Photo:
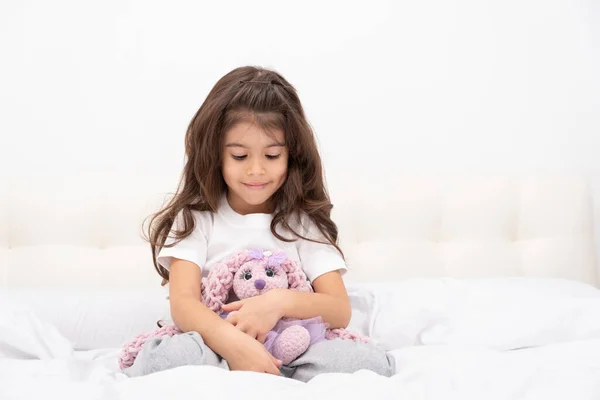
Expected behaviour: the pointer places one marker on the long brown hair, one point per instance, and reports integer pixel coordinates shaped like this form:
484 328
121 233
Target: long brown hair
272 102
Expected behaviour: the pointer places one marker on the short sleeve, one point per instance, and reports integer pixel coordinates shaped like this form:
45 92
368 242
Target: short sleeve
317 259
193 248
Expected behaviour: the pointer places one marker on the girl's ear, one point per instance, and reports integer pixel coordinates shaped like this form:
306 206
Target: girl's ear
297 279
216 286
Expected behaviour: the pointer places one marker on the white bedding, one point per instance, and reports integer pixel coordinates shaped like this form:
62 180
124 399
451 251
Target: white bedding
513 338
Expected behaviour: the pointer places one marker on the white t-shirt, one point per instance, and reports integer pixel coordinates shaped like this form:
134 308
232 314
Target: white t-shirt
219 235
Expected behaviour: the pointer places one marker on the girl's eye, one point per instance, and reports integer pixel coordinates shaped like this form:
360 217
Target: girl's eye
270 272
273 157
247 276
239 158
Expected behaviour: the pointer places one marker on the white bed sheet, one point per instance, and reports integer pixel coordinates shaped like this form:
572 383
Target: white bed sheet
551 350
562 371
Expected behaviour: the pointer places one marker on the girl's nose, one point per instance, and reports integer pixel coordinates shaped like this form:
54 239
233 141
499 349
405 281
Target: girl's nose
259 284
255 169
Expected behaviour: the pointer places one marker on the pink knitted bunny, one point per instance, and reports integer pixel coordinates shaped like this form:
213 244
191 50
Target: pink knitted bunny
251 273
254 273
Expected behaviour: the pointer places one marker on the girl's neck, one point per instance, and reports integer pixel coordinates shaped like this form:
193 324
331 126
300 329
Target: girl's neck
239 206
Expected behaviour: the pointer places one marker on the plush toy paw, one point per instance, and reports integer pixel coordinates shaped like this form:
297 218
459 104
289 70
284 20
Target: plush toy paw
291 343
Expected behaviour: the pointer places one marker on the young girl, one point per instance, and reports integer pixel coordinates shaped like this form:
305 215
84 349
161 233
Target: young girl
253 179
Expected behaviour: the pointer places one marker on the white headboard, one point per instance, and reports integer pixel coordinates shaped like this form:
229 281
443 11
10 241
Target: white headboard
85 230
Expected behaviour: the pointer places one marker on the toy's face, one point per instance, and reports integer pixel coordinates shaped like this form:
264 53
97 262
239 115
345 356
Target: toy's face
255 278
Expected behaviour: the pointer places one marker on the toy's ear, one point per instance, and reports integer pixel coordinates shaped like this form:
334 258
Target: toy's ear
297 279
216 286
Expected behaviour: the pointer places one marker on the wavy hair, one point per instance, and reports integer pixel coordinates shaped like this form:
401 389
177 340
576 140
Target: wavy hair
267 99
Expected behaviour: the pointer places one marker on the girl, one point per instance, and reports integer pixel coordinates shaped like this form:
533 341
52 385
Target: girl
252 179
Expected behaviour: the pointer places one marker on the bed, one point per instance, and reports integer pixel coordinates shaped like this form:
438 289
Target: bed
480 286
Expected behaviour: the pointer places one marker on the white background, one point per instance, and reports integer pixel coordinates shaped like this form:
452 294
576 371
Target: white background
109 87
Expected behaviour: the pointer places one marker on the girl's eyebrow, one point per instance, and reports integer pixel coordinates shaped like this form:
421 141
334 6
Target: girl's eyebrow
236 144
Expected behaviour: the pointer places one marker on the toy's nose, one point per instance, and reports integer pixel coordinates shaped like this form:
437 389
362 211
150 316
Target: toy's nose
259 284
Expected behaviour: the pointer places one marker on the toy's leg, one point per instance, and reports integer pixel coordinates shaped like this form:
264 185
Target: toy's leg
292 342
339 355
158 354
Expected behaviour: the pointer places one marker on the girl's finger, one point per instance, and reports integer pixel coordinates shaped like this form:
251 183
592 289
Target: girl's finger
243 327
232 319
277 362
236 305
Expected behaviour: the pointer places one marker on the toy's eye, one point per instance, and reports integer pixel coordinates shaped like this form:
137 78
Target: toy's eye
247 276
270 272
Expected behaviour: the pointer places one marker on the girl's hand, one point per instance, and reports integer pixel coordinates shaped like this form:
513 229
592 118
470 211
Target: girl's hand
249 355
256 316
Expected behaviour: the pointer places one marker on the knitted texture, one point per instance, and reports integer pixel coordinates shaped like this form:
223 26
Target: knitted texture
216 286
291 344
131 349
250 273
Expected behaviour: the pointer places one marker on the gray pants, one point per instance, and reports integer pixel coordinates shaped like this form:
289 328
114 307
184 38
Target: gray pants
328 356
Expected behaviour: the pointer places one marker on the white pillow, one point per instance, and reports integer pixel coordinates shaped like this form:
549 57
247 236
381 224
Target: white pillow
399 311
509 314
94 319
498 313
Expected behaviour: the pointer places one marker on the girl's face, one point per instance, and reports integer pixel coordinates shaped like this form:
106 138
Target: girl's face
254 167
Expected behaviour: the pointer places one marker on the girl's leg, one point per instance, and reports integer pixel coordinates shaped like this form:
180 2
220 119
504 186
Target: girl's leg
339 355
158 354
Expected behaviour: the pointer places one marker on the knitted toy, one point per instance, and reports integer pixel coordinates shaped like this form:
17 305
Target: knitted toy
252 273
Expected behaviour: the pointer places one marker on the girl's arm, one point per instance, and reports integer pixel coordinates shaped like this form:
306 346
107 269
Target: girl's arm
330 301
257 315
189 314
